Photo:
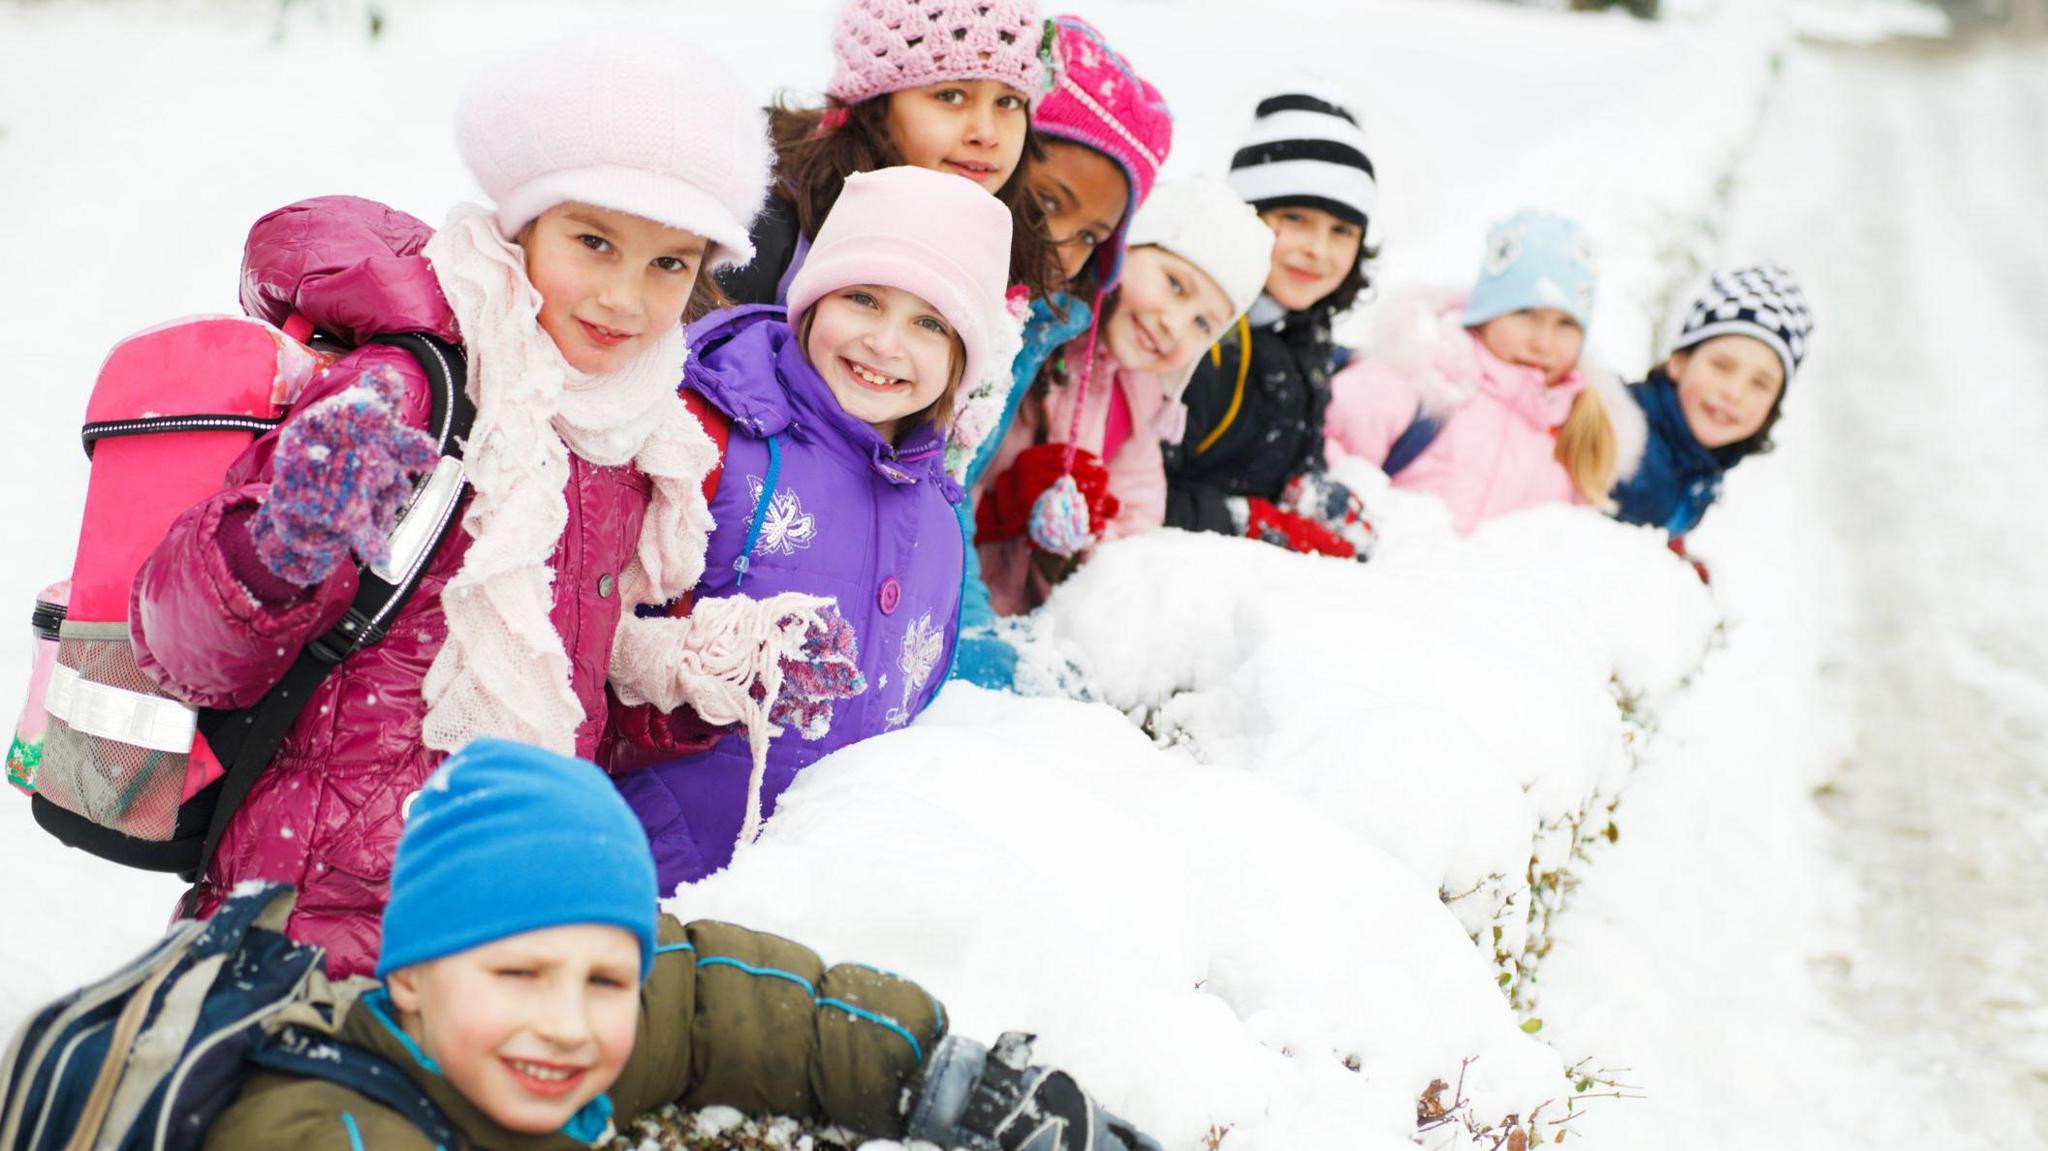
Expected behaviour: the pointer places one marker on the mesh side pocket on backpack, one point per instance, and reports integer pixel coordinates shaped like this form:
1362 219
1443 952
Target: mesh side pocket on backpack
117 749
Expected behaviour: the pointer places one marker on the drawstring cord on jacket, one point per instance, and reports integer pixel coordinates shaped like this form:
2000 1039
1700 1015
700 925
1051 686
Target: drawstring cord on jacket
1059 517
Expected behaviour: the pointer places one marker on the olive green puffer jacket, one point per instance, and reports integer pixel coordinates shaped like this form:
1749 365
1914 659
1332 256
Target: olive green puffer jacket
728 1016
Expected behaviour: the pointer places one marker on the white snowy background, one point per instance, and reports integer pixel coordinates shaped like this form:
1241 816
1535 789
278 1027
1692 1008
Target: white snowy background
1275 875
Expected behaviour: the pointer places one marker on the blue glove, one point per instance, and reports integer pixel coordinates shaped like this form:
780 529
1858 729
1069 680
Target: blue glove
342 473
970 1097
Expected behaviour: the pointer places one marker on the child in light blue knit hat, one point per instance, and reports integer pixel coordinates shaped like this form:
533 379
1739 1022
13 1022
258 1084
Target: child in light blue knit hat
1480 399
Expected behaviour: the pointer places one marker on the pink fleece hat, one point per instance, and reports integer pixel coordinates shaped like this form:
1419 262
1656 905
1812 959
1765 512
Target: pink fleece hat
1097 101
938 236
648 124
885 46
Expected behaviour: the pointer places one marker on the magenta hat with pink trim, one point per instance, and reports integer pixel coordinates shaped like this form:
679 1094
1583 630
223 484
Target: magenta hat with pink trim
885 46
1098 101
940 237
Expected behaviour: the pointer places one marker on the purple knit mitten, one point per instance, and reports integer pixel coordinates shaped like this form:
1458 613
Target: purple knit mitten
342 472
827 669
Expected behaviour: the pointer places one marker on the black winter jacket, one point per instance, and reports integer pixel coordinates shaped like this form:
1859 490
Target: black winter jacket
775 235
1251 438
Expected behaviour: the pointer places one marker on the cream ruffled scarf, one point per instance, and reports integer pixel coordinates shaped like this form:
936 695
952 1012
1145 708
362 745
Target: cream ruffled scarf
504 671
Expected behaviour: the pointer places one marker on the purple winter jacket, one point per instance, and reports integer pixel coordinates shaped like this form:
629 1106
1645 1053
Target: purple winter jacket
326 814
852 517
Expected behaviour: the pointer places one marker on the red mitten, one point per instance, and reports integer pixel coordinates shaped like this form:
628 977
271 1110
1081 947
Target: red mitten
1005 509
1296 533
1335 506
1699 567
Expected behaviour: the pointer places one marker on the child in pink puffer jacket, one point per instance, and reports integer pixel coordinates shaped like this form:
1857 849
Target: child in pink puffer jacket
1481 399
585 471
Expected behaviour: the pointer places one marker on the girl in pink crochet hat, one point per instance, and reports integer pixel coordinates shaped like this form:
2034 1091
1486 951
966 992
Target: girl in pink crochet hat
941 84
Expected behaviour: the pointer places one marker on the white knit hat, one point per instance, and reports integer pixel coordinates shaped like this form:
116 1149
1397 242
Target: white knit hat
642 122
1203 222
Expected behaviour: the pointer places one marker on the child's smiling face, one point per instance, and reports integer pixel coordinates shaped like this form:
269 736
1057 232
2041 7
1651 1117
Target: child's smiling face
1726 387
611 284
532 1027
1084 195
1313 251
971 128
885 353
1547 339
1168 312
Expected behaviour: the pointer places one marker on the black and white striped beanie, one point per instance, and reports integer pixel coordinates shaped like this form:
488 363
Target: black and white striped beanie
1763 302
1305 151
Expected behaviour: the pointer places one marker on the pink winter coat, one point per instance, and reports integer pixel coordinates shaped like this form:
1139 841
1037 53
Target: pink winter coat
217 631
1496 450
1137 471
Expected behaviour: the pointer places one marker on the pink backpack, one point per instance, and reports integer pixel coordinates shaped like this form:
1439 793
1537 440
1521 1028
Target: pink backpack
114 765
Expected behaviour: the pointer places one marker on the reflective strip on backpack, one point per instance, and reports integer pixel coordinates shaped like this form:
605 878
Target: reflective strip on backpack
130 717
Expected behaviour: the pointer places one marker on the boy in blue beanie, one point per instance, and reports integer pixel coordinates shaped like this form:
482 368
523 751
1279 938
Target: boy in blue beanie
531 990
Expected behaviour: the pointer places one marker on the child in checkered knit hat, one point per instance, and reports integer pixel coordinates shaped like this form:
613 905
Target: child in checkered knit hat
1714 399
1480 398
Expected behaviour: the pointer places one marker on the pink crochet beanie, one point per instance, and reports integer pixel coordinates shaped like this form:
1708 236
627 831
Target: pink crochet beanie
885 46
647 124
934 235
1097 101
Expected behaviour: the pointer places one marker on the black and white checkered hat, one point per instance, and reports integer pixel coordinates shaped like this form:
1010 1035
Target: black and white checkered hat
1305 151
1763 303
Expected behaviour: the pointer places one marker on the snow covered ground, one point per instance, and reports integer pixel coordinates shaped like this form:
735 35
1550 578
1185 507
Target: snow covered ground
1254 886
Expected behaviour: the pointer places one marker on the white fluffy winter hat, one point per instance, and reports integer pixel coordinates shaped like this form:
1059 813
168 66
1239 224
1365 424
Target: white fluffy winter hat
1205 223
645 123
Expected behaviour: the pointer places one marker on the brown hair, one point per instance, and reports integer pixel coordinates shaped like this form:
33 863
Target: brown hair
940 411
1586 449
812 164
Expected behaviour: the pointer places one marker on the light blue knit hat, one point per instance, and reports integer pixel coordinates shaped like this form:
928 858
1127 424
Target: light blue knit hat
507 838
1534 259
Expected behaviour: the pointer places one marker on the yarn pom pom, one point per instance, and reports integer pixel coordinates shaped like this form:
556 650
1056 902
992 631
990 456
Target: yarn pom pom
824 667
1059 519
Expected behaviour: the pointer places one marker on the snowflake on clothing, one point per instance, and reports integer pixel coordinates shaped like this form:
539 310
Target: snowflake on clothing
922 645
787 526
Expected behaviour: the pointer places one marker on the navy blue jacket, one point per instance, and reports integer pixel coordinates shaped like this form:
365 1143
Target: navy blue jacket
1678 477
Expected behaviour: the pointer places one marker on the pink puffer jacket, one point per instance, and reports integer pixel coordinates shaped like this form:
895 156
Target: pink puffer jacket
1137 470
326 815
1496 451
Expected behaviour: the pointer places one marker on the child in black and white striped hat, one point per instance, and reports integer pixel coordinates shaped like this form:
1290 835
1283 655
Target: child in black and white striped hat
1253 449
1714 399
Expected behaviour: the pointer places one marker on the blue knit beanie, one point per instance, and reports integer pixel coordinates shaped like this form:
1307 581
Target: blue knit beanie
1534 260
506 838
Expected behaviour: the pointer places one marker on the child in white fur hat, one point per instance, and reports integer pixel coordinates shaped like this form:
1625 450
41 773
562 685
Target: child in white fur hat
620 173
1089 436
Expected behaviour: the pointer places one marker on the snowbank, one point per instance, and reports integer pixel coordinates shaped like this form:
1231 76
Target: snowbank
1218 891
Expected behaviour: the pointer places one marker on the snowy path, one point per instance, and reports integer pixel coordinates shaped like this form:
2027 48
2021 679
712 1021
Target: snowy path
1861 971
1936 482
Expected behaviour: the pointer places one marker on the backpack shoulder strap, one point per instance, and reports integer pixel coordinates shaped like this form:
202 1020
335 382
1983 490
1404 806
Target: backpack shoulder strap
718 426
1412 442
245 740
309 1056
1244 369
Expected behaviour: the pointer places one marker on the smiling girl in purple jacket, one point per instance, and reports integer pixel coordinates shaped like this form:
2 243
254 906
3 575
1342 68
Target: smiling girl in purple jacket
834 486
